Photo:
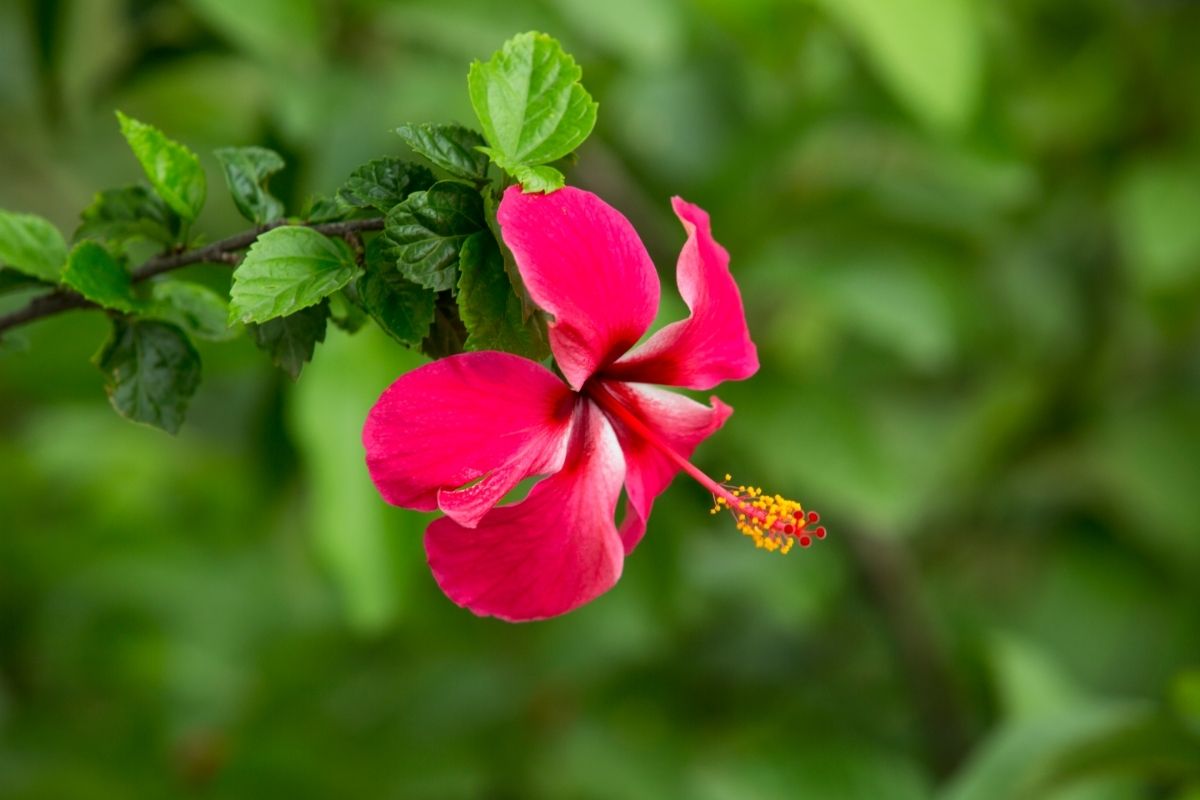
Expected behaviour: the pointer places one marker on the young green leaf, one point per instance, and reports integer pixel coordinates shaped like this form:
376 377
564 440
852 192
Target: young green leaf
246 172
488 306
323 209
539 179
152 370
174 170
429 228
31 245
530 102
94 273
451 147
291 340
117 216
383 183
403 309
197 310
288 269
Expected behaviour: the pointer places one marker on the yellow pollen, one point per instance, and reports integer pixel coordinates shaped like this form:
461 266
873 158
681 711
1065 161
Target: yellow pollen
773 522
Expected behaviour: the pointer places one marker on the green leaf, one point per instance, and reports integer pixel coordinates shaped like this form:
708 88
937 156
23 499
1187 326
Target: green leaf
400 307
174 170
928 52
323 209
429 228
13 281
539 179
152 370
384 183
291 340
246 172
447 336
345 311
354 535
530 102
1016 757
14 342
281 32
451 147
288 269
1154 743
117 216
199 311
94 273
31 245
1157 204
488 306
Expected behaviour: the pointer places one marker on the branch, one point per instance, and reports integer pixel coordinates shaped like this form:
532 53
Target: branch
890 579
61 300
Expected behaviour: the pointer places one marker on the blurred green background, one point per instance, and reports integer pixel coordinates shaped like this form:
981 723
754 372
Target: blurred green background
968 235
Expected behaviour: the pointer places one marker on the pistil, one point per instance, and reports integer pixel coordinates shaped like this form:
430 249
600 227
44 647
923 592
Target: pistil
773 522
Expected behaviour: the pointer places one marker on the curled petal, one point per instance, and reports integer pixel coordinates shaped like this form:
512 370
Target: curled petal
489 417
553 551
677 422
713 344
584 264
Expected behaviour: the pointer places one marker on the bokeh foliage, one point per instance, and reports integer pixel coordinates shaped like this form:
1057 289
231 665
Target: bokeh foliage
968 236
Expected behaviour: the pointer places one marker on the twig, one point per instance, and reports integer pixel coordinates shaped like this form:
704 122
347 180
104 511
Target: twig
61 300
888 575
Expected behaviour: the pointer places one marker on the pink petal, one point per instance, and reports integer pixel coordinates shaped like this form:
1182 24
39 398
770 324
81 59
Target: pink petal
584 264
554 551
713 344
485 415
679 423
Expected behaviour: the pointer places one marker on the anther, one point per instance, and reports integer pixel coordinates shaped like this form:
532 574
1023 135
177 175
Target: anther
773 522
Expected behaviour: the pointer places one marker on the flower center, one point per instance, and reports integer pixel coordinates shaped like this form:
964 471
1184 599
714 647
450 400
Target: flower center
775 523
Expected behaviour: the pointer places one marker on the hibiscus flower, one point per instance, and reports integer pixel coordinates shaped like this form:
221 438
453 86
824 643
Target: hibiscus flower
460 433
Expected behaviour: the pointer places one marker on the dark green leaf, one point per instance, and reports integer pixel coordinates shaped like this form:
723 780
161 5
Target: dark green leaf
383 183
288 269
31 245
173 170
152 370
429 228
447 336
451 147
400 307
291 340
117 216
14 342
1154 742
530 102
246 172
489 308
13 281
94 273
345 312
198 310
